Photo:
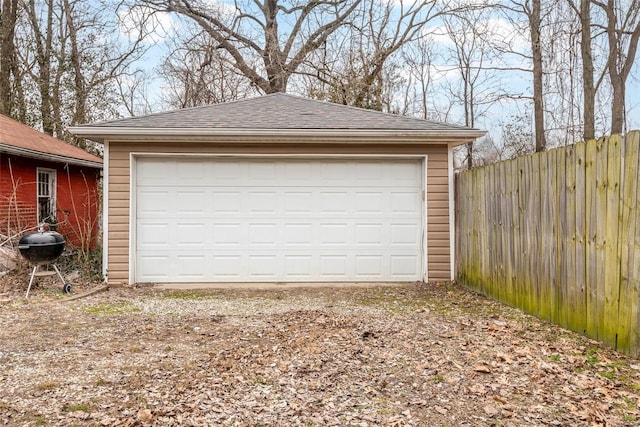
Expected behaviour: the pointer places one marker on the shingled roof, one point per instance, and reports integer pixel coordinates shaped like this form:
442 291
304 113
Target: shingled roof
19 139
267 115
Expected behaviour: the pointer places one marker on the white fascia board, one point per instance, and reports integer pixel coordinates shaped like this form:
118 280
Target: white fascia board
460 136
55 158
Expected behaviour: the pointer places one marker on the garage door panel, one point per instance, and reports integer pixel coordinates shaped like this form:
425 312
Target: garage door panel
191 235
369 266
225 202
156 268
153 235
300 234
264 267
370 203
404 234
191 172
191 203
226 234
403 265
191 267
404 202
153 203
369 234
333 267
336 174
334 234
299 267
155 172
265 234
278 220
227 266
262 202
298 202
333 202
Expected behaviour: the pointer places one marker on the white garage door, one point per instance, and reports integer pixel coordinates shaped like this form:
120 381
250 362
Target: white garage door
290 220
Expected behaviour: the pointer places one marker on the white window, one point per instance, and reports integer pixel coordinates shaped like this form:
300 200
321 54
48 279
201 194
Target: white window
46 196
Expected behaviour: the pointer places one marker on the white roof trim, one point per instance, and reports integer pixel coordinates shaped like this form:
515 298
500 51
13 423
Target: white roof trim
25 152
137 134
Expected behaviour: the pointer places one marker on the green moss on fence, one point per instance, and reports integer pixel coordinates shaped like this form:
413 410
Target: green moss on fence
556 234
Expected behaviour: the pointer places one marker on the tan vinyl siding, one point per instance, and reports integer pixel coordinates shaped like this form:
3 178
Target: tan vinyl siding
439 260
438 244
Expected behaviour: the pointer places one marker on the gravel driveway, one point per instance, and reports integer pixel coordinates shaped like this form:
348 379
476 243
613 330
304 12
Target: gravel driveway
414 355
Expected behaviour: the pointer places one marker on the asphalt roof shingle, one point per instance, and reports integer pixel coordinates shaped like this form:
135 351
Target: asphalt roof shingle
278 111
24 139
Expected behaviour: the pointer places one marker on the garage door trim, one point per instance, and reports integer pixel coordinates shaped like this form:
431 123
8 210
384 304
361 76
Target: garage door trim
134 157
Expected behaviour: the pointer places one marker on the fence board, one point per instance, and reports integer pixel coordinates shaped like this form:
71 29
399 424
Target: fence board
611 247
571 292
534 215
579 286
558 234
601 225
634 267
560 297
591 276
545 239
628 224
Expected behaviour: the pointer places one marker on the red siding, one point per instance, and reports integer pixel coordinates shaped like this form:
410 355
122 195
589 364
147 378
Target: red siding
77 198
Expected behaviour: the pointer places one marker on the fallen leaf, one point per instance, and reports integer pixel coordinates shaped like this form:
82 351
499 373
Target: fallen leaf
440 410
491 410
482 369
145 416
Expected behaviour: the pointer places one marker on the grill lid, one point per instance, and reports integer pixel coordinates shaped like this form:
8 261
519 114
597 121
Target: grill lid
41 247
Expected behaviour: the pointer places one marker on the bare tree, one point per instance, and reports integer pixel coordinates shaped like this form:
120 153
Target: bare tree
253 37
8 18
71 53
418 57
134 93
622 27
532 12
196 72
589 87
472 53
379 31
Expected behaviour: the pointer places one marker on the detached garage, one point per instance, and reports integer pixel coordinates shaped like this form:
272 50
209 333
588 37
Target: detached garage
277 189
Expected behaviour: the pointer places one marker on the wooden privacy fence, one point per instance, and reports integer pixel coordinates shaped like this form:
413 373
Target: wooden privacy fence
557 234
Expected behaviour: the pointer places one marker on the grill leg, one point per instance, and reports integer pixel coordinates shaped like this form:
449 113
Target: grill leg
55 267
33 275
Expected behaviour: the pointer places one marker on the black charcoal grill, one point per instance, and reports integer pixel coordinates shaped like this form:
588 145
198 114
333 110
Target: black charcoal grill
42 249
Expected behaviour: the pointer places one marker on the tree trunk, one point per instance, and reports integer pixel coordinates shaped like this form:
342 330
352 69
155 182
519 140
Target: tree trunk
536 50
617 103
43 52
7 54
79 115
588 88
620 62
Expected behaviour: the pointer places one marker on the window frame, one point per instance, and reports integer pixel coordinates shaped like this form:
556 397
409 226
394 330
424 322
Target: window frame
51 183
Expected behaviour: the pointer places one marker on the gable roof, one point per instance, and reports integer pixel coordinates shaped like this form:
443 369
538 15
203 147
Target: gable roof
21 140
275 114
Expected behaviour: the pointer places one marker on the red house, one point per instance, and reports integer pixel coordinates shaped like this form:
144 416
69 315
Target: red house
46 180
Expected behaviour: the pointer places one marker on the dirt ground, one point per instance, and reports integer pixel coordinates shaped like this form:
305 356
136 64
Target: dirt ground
414 355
